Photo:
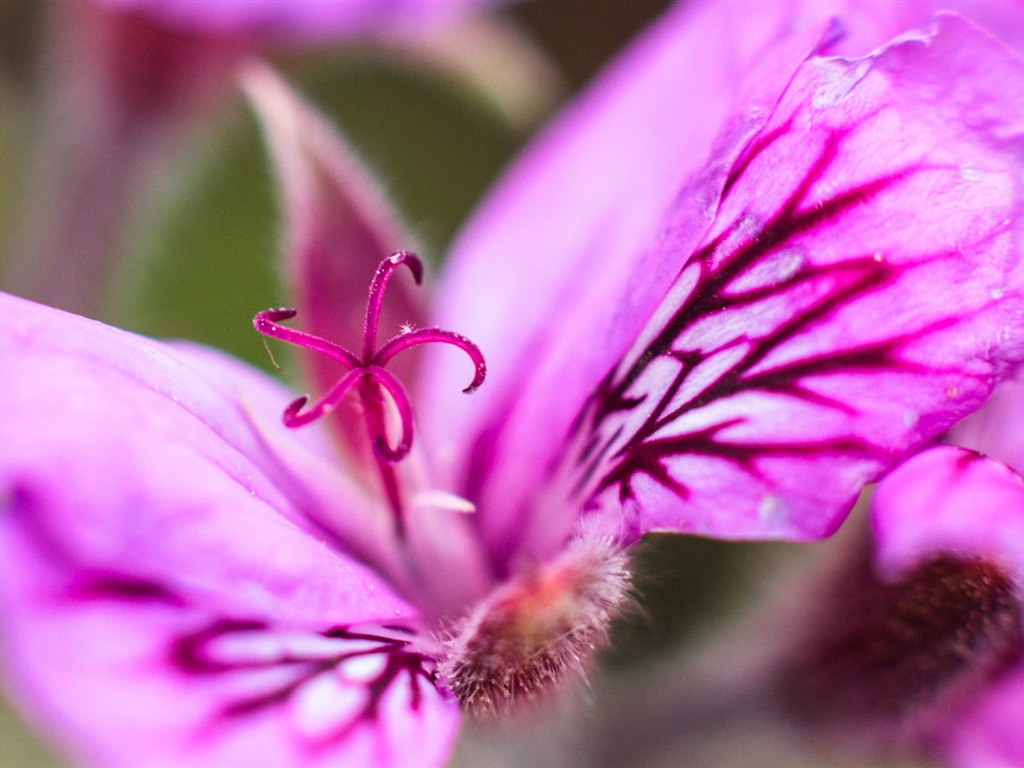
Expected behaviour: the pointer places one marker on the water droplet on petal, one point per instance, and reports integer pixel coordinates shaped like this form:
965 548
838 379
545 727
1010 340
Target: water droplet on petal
773 510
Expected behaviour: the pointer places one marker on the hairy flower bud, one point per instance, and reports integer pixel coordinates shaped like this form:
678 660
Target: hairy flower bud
537 630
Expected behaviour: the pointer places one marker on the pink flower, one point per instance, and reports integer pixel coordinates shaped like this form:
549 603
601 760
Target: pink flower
722 323
945 624
309 20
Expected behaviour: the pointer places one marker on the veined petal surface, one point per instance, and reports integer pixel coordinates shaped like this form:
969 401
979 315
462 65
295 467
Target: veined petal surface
846 284
554 242
148 539
859 290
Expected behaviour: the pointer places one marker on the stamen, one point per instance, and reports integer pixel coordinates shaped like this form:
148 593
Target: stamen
377 286
425 335
367 372
266 323
292 416
401 401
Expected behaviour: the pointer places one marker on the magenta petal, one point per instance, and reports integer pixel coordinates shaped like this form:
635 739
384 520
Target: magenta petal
951 500
123 672
340 229
536 274
848 286
139 505
99 424
856 294
867 25
310 20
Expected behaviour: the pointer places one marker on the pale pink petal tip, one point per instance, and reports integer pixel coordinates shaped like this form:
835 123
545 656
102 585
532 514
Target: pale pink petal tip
949 499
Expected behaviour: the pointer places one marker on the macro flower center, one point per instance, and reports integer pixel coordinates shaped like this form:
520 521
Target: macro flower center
515 641
367 374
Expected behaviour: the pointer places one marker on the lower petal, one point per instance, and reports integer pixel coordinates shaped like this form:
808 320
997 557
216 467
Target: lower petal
122 672
166 599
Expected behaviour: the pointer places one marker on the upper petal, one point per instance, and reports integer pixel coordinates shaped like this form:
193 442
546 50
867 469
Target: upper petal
857 293
844 284
553 243
140 505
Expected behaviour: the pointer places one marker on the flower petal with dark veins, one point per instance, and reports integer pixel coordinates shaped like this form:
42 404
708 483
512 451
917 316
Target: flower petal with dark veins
856 288
138 506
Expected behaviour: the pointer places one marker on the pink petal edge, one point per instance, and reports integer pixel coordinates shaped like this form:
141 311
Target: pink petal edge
141 517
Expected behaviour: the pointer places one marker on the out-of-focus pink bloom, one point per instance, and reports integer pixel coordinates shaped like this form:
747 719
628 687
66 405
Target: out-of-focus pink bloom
309 20
959 507
724 322
126 78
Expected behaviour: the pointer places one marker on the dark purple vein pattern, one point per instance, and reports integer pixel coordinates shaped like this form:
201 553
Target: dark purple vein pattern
335 681
858 290
357 692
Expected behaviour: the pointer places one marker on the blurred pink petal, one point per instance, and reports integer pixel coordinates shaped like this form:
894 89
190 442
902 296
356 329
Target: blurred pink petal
954 502
949 499
310 20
